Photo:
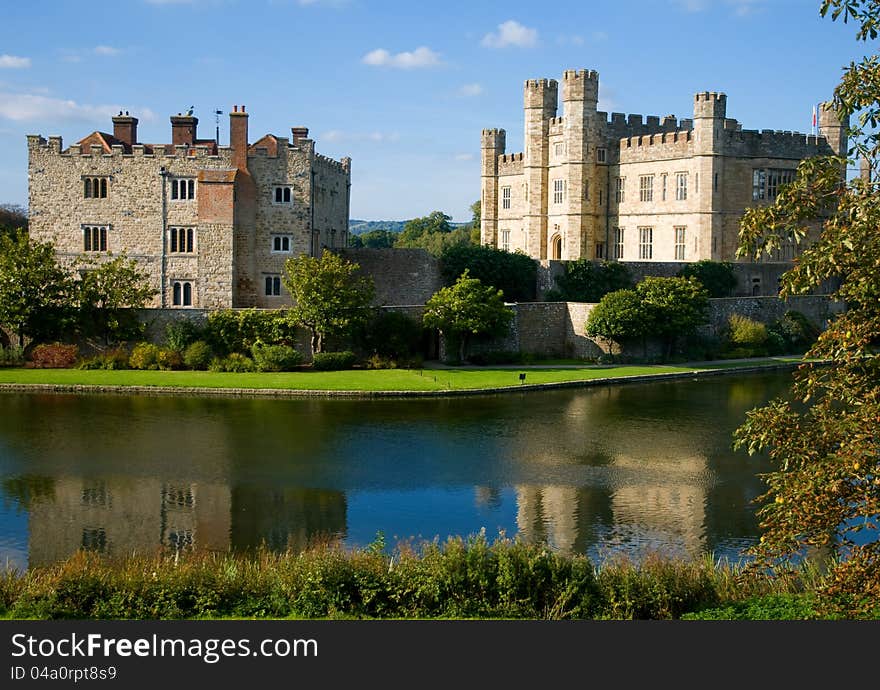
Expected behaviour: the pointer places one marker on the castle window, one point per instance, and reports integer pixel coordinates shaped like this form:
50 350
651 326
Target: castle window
601 197
646 188
273 285
620 191
505 240
600 250
601 155
182 293
697 183
618 243
181 240
663 187
284 194
586 190
95 187
505 197
177 497
646 243
558 191
680 234
281 244
766 184
95 495
94 238
183 188
559 149
681 186
716 182
94 539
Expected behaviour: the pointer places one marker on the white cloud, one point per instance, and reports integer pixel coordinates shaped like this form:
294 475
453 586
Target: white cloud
511 33
14 62
418 58
108 51
464 156
692 5
469 90
741 8
21 107
570 40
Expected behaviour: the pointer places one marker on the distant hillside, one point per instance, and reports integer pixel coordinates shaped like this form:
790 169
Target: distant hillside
359 227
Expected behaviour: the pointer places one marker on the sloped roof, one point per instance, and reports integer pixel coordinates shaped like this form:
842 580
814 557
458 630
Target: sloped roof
268 142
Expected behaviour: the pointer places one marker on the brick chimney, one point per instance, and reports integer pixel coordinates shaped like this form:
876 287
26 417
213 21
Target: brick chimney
238 137
298 133
183 129
125 128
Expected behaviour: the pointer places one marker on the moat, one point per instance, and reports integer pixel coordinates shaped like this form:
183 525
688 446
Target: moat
631 469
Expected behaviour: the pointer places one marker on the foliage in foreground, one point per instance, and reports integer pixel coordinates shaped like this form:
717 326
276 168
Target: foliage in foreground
823 495
460 578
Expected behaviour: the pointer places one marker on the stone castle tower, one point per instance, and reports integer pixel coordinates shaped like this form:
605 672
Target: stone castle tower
632 188
211 225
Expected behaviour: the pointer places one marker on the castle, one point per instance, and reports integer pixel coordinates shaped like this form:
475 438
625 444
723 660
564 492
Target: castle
633 189
211 225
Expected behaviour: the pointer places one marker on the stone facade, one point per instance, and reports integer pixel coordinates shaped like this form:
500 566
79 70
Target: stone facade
631 188
212 225
401 276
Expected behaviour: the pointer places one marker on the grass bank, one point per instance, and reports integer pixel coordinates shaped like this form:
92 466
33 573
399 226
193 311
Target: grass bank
461 578
426 381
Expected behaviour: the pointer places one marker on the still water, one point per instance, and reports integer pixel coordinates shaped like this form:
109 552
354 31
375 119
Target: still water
633 468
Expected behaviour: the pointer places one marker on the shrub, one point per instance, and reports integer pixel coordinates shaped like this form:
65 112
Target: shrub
54 356
275 357
333 361
11 356
144 356
181 334
235 363
170 359
198 355
116 358
747 332
236 330
797 332
588 281
513 273
392 335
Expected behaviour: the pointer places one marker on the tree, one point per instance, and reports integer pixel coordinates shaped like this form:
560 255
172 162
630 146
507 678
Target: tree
330 296
466 309
716 276
36 294
512 273
673 307
823 494
12 219
433 233
586 281
619 316
476 222
108 293
379 239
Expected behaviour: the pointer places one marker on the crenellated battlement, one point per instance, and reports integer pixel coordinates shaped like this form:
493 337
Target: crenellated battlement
580 74
620 125
331 163
710 104
510 157
580 85
510 164
541 84
664 144
771 143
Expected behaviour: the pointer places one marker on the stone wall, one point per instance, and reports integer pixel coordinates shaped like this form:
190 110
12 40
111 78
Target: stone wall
401 276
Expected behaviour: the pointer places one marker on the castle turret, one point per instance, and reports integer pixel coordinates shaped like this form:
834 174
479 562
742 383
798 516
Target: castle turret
125 129
833 129
710 112
540 100
580 97
494 142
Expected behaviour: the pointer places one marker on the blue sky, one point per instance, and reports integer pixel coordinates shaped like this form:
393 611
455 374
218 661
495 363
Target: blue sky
404 88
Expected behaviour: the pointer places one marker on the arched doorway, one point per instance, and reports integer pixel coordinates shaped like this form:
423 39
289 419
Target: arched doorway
556 247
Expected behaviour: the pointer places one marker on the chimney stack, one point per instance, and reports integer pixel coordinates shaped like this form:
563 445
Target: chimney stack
299 133
183 129
238 137
125 129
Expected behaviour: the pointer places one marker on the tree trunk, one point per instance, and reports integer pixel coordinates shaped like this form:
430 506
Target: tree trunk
462 347
316 342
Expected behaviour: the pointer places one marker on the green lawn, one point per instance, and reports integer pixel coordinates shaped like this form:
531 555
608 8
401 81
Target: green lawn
358 380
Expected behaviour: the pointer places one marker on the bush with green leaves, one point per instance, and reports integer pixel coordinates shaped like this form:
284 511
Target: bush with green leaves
795 331
275 357
180 334
11 356
717 277
235 362
170 360
144 356
619 317
514 273
114 359
236 330
746 332
198 355
333 361
392 335
589 281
